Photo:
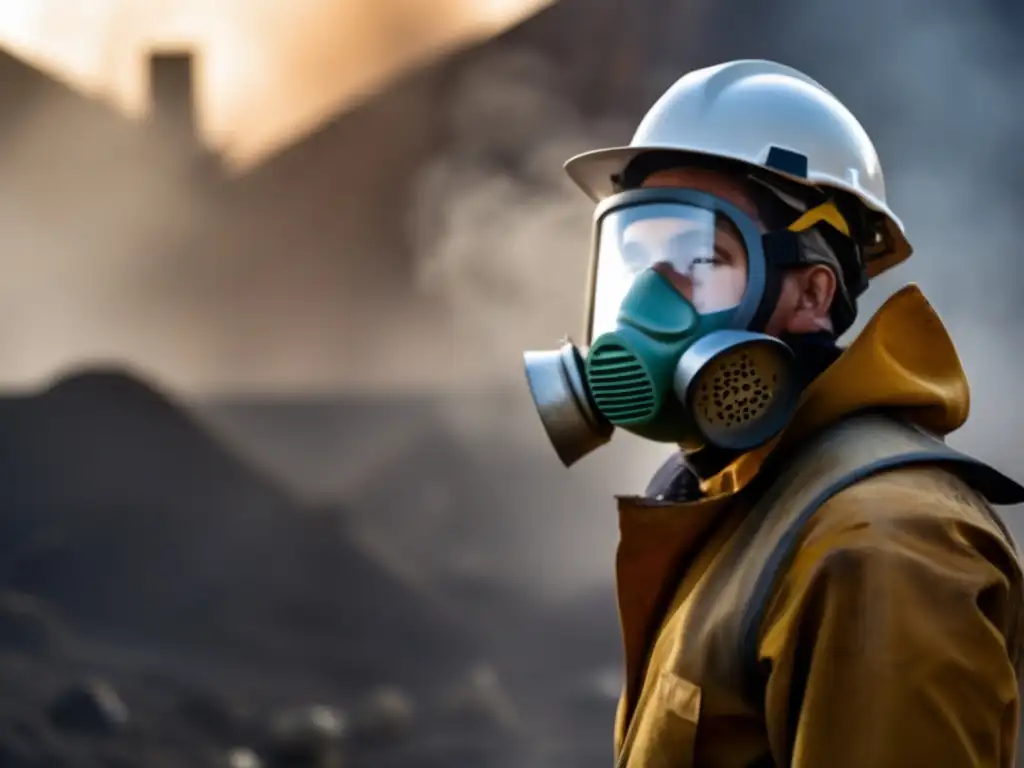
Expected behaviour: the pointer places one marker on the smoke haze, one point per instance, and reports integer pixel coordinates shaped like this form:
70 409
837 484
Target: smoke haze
101 260
501 236
349 315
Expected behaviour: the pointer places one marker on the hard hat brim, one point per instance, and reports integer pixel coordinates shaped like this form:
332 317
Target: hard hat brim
594 172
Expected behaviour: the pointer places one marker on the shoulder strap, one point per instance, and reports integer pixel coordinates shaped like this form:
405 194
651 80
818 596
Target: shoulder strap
674 481
736 598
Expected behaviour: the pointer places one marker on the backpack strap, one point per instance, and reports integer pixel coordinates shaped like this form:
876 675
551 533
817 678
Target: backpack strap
731 604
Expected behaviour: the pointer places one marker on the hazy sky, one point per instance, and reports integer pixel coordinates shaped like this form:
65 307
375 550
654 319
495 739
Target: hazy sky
271 69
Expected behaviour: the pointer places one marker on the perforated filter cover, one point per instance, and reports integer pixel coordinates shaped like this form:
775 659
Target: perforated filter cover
736 390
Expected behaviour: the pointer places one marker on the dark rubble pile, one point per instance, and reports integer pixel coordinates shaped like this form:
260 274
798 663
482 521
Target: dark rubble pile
161 604
137 528
89 723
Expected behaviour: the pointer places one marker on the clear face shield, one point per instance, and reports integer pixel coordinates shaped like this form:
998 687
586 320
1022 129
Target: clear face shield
699 252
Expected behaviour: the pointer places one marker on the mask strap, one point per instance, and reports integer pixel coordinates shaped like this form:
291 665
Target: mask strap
853 274
782 251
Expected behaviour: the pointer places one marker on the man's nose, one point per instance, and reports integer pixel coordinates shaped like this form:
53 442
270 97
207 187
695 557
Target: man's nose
681 282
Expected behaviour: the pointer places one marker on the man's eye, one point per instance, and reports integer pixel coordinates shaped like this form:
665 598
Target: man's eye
713 260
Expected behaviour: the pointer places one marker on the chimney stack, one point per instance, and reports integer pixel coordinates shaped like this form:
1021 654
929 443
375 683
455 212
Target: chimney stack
172 96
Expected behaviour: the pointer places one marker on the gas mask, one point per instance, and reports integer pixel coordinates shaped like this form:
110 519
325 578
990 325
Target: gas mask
681 284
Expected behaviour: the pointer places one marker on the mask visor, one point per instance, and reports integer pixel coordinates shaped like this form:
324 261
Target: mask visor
699 252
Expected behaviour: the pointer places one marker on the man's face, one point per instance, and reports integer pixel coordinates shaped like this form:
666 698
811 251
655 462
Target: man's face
709 271
712 280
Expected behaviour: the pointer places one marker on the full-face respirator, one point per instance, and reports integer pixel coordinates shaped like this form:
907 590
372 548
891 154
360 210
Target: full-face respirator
682 284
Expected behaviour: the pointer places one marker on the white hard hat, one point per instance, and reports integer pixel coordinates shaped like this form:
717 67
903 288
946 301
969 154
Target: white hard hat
769 116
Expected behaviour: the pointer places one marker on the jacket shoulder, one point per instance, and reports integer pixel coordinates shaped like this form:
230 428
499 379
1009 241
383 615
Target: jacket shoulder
924 522
932 499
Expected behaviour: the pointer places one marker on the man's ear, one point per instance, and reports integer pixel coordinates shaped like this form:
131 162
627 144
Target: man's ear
814 288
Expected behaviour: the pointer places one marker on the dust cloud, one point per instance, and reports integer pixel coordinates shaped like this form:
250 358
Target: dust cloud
502 235
503 240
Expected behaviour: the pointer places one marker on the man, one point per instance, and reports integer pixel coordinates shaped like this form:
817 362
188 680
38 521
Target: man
815 579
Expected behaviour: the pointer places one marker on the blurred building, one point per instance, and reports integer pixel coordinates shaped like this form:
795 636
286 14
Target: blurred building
284 277
336 201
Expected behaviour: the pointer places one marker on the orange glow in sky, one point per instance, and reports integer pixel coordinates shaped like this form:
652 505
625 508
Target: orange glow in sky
269 70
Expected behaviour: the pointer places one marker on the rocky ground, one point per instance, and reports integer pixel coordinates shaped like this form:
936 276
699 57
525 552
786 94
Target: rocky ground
163 604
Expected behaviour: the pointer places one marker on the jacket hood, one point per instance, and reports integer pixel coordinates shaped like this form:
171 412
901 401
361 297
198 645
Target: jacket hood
903 361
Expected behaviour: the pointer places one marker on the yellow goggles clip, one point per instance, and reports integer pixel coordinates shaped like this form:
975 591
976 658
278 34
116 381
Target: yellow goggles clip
826 212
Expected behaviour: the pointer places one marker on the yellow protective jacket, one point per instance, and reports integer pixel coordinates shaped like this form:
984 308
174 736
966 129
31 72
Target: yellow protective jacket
892 635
